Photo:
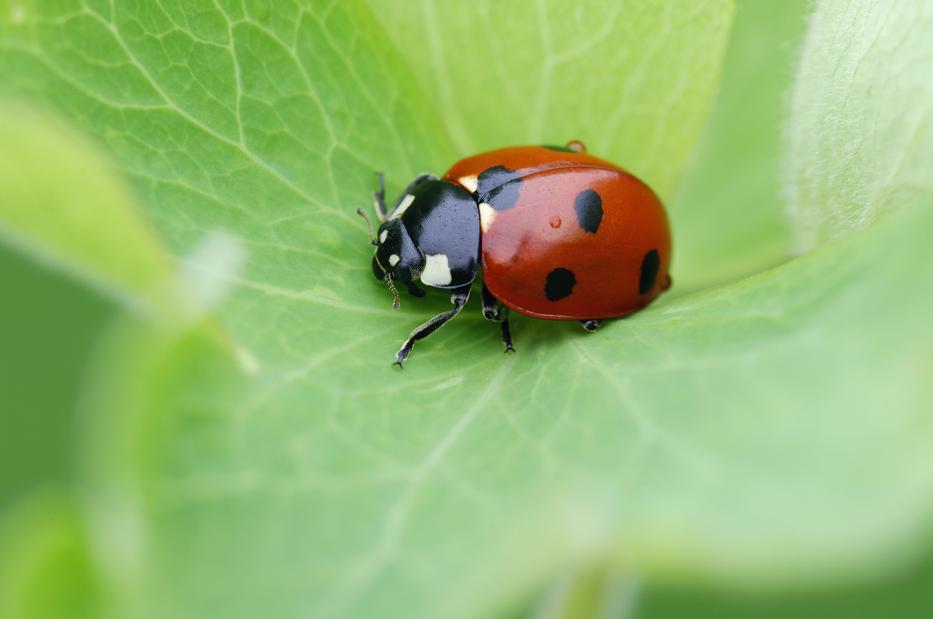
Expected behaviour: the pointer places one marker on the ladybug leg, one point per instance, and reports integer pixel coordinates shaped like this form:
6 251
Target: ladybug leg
379 198
495 311
414 290
591 324
491 307
505 332
458 298
411 187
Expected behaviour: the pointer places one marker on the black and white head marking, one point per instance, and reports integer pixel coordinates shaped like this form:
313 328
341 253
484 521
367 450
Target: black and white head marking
396 254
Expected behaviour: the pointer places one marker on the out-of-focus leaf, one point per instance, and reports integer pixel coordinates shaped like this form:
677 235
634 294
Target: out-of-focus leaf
49 324
46 569
62 204
860 137
729 216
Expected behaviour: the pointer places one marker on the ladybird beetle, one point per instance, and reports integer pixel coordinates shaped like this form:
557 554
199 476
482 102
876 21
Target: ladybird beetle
559 235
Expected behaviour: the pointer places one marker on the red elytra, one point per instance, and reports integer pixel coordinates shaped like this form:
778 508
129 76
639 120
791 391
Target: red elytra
566 235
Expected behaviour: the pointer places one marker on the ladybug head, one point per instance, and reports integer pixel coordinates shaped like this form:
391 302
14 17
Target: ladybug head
396 258
396 255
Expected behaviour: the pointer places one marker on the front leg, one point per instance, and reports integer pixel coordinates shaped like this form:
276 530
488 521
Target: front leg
414 290
459 298
379 196
495 311
411 187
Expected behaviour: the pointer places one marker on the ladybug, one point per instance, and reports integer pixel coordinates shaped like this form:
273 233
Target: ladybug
559 235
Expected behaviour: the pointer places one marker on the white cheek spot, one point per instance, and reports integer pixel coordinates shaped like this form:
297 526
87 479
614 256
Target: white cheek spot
470 182
436 270
487 215
383 235
393 260
403 206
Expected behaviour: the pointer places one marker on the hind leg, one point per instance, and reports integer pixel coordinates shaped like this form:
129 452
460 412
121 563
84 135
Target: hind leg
495 311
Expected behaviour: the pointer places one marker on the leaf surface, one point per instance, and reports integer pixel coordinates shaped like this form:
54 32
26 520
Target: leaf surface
730 217
768 431
860 139
82 219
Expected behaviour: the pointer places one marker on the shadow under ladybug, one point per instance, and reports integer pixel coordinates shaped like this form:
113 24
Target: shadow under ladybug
558 233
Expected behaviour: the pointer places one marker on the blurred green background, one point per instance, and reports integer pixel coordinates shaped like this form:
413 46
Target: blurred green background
721 146
50 325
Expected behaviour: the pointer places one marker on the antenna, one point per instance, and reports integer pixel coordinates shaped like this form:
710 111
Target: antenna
369 224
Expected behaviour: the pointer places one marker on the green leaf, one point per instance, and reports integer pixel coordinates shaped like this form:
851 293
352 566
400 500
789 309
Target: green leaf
84 220
630 79
46 571
860 139
721 439
729 213
768 432
49 324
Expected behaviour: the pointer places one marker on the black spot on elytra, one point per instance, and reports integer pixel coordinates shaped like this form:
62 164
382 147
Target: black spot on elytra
498 187
649 271
560 149
559 284
589 208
